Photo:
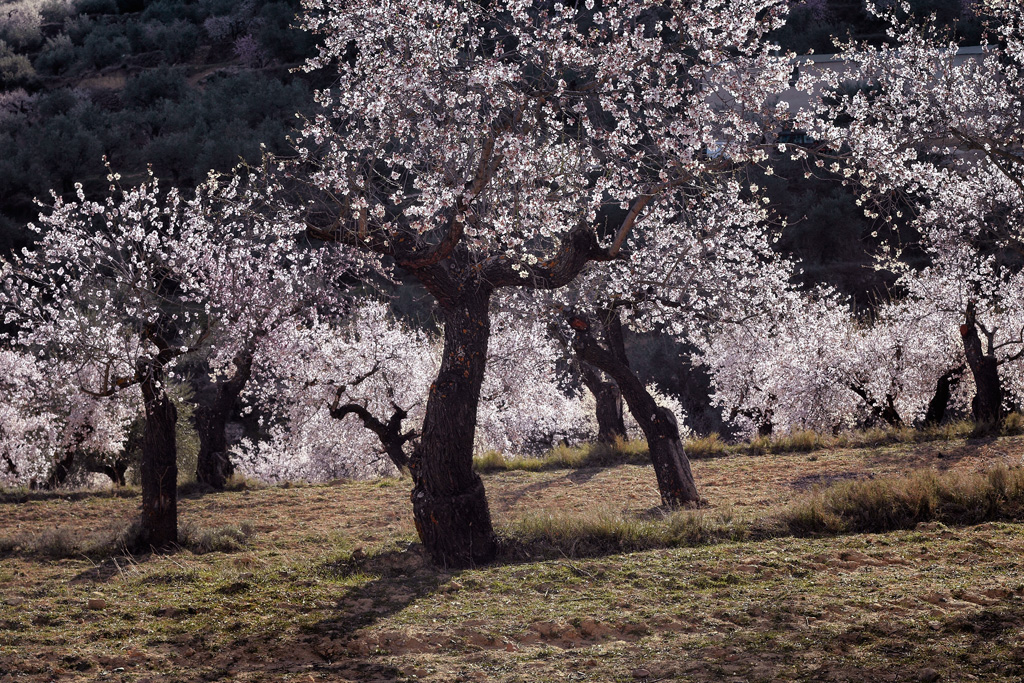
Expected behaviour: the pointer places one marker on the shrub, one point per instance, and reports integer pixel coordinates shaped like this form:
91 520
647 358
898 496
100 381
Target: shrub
56 11
15 70
104 47
178 39
20 26
153 85
57 55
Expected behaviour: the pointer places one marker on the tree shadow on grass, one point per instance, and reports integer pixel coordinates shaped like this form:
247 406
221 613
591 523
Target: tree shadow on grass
936 454
507 499
20 495
336 645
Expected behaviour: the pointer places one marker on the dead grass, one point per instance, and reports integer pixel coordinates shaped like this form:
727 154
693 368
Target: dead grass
623 451
62 542
891 503
606 532
228 538
871 506
620 452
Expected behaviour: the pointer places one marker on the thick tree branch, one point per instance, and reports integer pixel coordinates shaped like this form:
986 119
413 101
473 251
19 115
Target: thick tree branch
578 248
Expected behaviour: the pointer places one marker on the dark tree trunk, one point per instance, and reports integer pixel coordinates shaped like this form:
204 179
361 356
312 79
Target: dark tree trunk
61 471
889 414
610 422
159 466
937 407
91 463
988 401
214 466
880 412
390 433
671 466
114 470
448 498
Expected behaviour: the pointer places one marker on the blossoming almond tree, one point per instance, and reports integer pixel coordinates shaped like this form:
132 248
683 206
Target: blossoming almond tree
336 391
940 134
479 145
253 276
126 288
713 262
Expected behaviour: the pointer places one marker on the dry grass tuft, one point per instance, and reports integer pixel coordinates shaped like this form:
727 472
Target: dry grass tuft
709 446
562 456
605 532
891 503
225 539
866 506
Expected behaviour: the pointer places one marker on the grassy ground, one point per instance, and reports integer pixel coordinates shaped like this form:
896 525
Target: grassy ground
332 586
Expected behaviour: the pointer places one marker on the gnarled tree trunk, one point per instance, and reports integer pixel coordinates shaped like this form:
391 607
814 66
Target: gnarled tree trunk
61 471
449 504
988 399
214 466
159 467
939 403
114 469
390 433
610 422
671 466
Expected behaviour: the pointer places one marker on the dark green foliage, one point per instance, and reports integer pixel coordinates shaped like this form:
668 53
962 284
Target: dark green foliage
149 87
55 11
278 35
78 28
58 135
15 70
57 56
20 28
97 6
130 6
105 45
177 39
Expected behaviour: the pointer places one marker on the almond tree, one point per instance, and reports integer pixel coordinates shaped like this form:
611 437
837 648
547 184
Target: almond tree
811 362
255 278
480 146
940 135
127 287
45 426
338 393
715 264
